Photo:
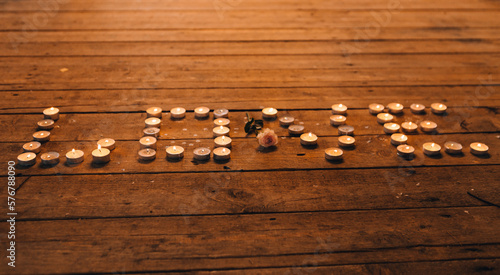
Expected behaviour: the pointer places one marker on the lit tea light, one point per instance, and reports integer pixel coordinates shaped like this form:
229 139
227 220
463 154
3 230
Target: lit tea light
428 126
101 155
333 153
405 151
395 108
147 154
409 127
269 113
50 158
221 122
223 141
33 146
201 153
346 130
376 108
309 139
148 142
391 128
178 113
479 149
295 130
346 141
151 132
453 148
222 153
218 113
51 113
41 136
438 108
26 159
46 124
201 112
74 156
431 148
286 121
107 143
339 109
398 139
417 108
153 122
221 131
383 118
336 120
175 152
154 112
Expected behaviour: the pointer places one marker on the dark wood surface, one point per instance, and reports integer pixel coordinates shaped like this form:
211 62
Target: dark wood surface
281 211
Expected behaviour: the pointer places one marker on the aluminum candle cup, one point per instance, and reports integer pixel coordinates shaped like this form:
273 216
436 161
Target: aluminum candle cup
295 130
26 159
153 122
309 139
431 148
221 122
346 130
175 152
147 154
269 113
222 153
384 118
286 121
151 132
346 141
417 108
218 113
398 139
405 151
391 128
339 109
33 146
479 149
333 153
221 131
50 158
453 148
438 108
336 120
201 112
41 136
154 112
395 108
409 127
201 153
223 141
178 113
51 113
376 108
101 155
107 143
46 124
428 126
148 142
74 156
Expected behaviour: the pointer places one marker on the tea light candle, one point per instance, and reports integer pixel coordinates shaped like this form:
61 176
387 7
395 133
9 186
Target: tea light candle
409 127
339 109
333 153
51 113
218 113
395 108
220 131
223 141
309 139
453 148
398 139
41 136
391 128
405 151
428 126
74 156
431 148
147 154
50 158
26 159
346 141
438 108
221 122
153 122
154 112
107 143
478 148
175 152
383 118
151 132
295 130
201 153
201 112
46 124
33 146
148 142
346 130
376 108
101 155
222 153
269 113
178 113
336 120
417 108
286 120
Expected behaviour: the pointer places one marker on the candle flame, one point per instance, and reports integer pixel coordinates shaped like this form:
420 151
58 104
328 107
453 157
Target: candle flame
41 134
28 155
403 136
73 151
310 134
52 108
99 147
223 150
147 139
340 105
174 148
440 105
223 138
31 145
156 110
479 145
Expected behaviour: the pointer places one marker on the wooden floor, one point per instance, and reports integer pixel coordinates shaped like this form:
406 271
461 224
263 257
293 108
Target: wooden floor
281 211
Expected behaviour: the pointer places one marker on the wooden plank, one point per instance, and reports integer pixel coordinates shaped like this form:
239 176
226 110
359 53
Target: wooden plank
172 243
370 152
142 195
139 98
129 126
